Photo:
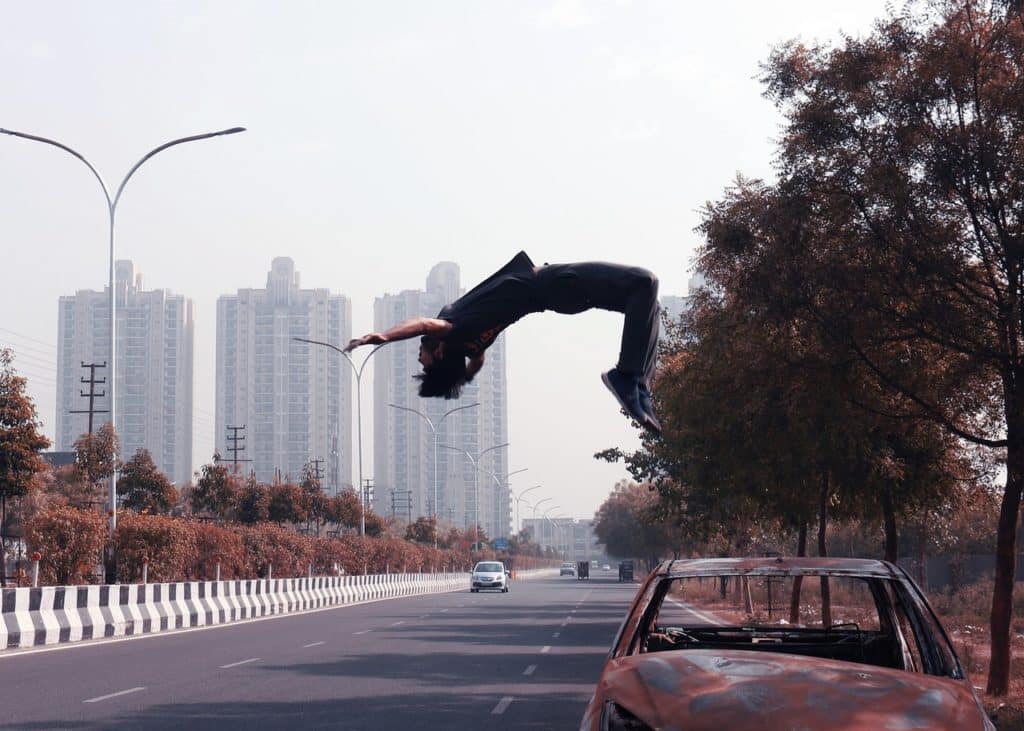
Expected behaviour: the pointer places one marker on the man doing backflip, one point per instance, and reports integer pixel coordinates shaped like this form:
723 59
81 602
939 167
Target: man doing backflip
453 343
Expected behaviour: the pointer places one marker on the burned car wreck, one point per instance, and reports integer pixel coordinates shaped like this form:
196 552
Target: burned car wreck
782 643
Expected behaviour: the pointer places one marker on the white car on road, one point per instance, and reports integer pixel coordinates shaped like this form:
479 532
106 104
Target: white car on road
489 575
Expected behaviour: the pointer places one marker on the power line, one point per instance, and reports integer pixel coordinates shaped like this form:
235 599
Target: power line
28 337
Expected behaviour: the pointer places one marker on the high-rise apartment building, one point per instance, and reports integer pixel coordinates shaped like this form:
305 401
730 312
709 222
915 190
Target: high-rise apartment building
286 403
154 369
404 458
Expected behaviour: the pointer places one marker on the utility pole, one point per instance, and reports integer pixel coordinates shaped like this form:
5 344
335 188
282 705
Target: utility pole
234 439
92 395
367 492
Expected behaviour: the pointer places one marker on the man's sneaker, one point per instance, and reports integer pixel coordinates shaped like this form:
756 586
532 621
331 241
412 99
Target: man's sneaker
625 389
647 406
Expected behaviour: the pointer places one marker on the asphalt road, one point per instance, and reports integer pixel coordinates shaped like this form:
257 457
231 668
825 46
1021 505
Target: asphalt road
523 660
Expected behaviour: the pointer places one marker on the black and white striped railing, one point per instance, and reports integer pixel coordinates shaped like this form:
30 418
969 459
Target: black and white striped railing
52 614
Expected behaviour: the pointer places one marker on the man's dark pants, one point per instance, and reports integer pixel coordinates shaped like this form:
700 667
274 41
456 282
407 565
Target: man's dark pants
633 291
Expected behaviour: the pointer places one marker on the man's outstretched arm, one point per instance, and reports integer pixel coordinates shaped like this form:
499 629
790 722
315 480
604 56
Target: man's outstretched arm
411 328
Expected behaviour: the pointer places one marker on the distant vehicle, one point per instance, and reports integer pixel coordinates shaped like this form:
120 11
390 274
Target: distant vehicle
713 644
568 569
489 575
606 567
583 570
625 570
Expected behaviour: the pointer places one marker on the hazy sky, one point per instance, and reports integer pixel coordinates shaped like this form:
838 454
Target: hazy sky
385 137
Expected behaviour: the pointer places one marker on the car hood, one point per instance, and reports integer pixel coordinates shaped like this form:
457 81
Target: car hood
715 689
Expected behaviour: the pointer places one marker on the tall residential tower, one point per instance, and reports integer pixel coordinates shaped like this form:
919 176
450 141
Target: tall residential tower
404 463
286 403
154 370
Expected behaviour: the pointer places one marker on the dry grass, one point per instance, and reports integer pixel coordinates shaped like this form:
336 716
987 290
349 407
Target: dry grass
965 615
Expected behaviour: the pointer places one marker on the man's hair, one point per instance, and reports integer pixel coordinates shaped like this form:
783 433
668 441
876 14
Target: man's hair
445 376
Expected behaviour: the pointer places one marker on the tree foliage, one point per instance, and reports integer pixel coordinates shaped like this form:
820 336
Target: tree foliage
422 530
144 488
215 493
627 525
96 454
21 441
894 229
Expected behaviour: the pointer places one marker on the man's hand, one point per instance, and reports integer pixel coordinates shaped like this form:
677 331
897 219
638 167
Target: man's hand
368 339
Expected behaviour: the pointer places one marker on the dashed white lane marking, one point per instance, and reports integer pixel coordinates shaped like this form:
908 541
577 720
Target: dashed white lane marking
555 635
362 632
395 624
565 623
313 644
529 669
502 705
546 649
572 611
114 695
240 662
444 610
424 616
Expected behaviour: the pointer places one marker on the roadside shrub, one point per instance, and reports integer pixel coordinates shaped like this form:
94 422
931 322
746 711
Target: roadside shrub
270 545
217 543
168 543
70 541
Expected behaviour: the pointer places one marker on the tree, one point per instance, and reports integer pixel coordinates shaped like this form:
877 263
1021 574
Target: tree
20 443
287 503
315 498
96 454
423 530
896 224
144 488
253 502
624 522
215 492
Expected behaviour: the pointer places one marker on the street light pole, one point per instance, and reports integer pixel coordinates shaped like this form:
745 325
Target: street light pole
499 482
521 498
433 429
476 481
112 212
358 371
545 517
538 504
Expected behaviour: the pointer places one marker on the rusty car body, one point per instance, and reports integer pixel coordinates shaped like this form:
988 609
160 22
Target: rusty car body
782 643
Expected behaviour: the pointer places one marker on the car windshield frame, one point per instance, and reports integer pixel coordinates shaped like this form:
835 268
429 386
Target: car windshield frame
489 567
903 613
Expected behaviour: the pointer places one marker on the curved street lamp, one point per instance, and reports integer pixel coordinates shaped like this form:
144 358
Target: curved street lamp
433 428
522 499
544 516
499 482
476 481
538 504
358 371
112 212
